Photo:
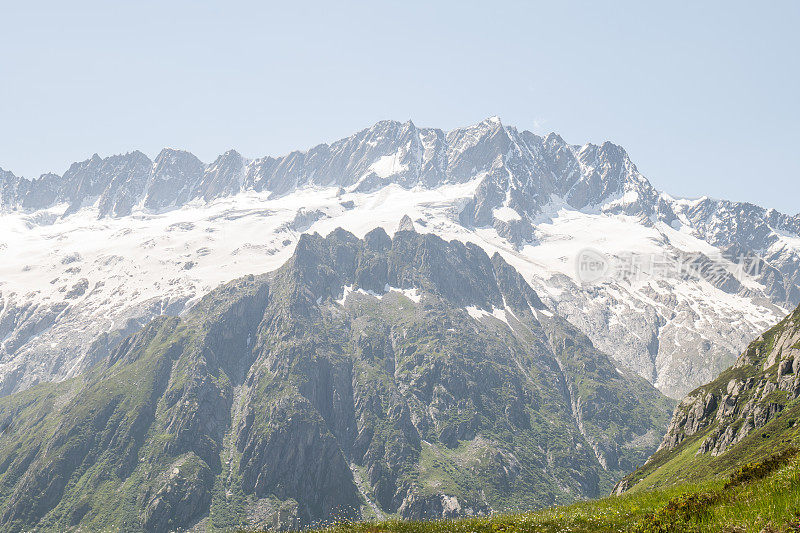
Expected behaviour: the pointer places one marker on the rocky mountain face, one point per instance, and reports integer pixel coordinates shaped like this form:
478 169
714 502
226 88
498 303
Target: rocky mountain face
746 397
747 413
519 170
96 253
405 376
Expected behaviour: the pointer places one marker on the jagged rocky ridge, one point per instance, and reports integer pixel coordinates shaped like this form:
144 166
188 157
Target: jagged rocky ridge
404 376
518 170
747 413
746 397
675 333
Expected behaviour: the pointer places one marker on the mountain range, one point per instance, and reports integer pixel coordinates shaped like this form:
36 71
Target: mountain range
93 255
406 323
400 376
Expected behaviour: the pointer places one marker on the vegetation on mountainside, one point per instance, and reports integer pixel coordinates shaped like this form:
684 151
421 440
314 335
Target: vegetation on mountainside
742 481
316 392
758 497
739 387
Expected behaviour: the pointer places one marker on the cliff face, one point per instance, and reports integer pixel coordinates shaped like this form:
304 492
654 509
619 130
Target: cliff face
91 256
403 376
747 413
747 396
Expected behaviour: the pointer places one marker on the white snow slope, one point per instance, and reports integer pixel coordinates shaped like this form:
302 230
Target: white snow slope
72 284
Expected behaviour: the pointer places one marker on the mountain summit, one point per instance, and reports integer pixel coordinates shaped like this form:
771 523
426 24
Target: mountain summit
408 376
93 255
524 167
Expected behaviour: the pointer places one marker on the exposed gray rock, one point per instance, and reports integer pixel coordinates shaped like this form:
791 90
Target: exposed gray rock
744 398
406 224
429 368
519 179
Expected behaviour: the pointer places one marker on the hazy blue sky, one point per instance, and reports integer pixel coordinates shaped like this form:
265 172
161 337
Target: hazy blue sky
705 98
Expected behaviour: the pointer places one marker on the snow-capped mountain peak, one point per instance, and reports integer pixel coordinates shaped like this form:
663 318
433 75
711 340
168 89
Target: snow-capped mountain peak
118 239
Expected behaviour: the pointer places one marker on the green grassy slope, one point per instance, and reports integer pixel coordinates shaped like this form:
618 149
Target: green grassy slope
762 497
757 401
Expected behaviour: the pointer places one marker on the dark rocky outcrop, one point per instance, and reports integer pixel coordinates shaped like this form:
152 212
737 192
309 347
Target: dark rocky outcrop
745 414
404 375
745 397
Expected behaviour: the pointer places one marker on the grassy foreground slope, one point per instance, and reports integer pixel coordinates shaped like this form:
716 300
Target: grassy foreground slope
750 411
760 498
